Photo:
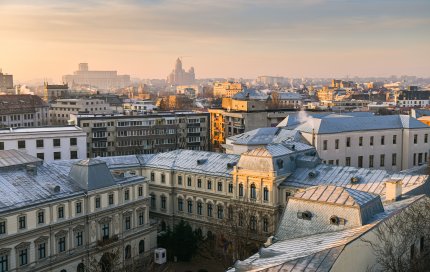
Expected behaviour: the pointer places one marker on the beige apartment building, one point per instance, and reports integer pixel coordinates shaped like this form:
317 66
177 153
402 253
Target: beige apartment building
72 215
61 110
227 89
393 142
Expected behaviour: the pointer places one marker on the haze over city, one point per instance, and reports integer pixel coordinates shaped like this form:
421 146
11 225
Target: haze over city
312 38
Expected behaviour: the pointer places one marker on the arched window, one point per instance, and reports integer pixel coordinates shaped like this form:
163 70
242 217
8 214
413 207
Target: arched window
127 252
80 268
220 212
209 210
180 204
190 206
241 189
199 208
152 201
266 194
253 191
142 246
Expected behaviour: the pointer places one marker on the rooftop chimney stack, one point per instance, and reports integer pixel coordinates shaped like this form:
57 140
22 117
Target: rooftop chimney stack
393 190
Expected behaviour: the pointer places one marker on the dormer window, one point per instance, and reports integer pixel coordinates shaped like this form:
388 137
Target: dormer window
280 163
307 215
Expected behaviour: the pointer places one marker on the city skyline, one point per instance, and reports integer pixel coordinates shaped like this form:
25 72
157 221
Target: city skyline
313 38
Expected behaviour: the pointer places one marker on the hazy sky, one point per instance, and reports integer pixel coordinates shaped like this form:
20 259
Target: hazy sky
222 38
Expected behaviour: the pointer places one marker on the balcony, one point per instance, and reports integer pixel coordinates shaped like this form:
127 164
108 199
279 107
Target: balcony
107 241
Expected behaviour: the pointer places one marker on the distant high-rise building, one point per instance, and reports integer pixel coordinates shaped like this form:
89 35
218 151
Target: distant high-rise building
6 81
104 80
54 92
179 77
227 89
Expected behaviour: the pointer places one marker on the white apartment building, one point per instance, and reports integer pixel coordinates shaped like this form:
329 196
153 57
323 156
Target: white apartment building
46 143
23 111
72 216
394 142
139 105
60 110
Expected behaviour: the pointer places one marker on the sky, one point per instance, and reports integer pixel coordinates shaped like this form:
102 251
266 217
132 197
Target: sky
220 38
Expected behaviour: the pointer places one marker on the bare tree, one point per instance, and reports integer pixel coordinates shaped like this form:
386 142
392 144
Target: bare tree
242 230
401 242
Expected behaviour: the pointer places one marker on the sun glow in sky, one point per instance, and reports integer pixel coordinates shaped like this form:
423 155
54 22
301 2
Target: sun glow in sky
222 38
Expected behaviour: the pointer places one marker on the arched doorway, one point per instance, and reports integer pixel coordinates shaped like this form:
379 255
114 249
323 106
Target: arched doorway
80 268
106 262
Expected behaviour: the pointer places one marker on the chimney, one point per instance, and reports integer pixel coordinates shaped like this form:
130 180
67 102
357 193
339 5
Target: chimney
393 190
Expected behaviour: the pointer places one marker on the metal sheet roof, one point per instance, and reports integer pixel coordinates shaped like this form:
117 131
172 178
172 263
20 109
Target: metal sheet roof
336 195
339 125
267 135
370 180
201 162
14 157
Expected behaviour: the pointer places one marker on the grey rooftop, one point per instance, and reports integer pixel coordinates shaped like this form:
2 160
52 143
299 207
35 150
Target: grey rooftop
350 124
263 136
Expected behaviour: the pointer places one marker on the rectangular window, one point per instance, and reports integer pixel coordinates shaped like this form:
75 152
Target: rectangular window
98 204
336 144
2 227
189 181
40 156
360 161
141 218
426 138
422 244
57 155
420 158
61 244
39 143
127 194
179 180
21 222
230 187
209 185
360 141
79 238
415 159
370 161
382 160
394 139
40 217
41 249
415 138
110 197
331 162
57 142
60 212
140 191
73 155
73 141
199 183
152 176
219 186
382 140
127 222
163 178
21 144
23 256
348 141
393 159
78 207
348 161
105 231
371 140
1 145
325 145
